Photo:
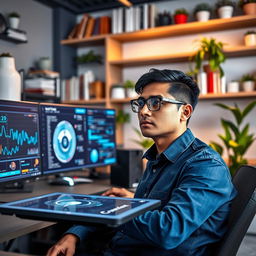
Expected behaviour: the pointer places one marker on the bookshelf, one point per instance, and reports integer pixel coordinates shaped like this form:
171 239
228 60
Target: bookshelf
115 62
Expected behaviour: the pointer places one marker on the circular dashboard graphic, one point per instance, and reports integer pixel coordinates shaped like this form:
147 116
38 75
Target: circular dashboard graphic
64 141
94 156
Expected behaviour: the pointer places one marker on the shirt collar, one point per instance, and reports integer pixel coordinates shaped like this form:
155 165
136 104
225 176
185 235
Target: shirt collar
175 149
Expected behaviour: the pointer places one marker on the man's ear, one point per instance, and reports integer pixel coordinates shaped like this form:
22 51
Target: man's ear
187 111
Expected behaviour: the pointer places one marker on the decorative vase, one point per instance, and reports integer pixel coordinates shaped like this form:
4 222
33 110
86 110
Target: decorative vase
10 81
203 15
44 63
14 22
225 12
249 8
248 86
250 39
180 18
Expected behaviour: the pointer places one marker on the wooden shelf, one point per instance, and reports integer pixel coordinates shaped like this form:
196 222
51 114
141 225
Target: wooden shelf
236 51
169 31
85 102
229 95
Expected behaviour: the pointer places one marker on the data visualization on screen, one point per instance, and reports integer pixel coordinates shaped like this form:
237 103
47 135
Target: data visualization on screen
19 140
76 137
101 148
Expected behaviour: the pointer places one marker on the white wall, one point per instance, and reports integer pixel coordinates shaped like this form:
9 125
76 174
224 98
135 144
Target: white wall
36 20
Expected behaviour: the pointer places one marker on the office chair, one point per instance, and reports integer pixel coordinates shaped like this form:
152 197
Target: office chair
243 210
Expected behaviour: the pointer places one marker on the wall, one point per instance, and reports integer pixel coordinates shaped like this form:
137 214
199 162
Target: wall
36 20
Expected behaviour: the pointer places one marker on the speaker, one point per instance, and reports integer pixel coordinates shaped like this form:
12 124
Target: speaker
128 169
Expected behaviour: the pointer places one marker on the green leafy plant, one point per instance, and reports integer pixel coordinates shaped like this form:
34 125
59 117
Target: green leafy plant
181 11
202 7
89 57
13 15
212 51
250 32
122 117
129 84
221 3
247 77
236 137
5 54
145 143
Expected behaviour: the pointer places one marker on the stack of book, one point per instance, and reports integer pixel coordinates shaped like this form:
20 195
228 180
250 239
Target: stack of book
89 26
16 34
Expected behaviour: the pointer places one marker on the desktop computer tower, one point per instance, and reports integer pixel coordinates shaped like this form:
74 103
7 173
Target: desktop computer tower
128 169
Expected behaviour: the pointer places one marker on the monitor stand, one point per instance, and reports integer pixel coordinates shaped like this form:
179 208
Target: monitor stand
16 187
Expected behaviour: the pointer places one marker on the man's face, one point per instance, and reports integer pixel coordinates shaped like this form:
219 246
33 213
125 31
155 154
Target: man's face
161 123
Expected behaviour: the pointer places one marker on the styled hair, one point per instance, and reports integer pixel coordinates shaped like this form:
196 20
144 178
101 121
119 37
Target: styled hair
182 87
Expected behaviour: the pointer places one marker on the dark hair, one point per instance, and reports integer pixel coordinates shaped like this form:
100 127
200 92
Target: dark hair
182 87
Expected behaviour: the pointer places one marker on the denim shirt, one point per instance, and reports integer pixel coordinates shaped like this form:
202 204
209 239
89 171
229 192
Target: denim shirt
194 186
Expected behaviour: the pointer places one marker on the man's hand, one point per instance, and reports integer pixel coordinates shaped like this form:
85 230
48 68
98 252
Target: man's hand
66 246
120 192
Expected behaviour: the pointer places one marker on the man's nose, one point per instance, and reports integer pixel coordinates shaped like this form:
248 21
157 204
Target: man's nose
145 110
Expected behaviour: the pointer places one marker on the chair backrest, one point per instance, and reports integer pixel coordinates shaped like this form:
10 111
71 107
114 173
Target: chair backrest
243 210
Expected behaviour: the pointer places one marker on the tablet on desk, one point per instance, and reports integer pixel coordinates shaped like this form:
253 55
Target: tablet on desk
78 208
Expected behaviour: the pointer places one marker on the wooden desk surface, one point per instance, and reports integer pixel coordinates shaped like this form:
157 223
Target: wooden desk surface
12 227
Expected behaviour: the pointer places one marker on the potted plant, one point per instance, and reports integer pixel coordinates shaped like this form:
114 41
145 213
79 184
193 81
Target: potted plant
14 20
225 8
180 16
212 51
233 86
236 137
122 117
202 12
89 57
129 86
248 82
164 19
248 6
117 91
144 142
44 63
250 38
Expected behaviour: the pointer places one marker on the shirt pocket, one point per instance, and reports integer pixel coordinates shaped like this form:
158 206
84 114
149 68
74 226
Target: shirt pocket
160 195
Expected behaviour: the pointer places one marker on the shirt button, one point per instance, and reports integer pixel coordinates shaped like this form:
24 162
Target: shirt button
145 195
154 170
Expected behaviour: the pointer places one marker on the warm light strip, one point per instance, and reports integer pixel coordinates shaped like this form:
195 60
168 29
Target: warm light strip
125 2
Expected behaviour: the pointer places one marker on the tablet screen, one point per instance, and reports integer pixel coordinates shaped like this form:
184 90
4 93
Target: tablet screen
79 207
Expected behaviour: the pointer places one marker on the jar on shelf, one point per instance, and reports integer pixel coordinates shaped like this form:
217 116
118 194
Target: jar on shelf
117 91
10 80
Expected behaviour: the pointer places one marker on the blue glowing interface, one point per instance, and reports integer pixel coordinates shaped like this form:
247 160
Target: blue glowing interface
19 140
76 137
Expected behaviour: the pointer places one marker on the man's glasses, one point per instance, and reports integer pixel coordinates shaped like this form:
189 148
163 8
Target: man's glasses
153 103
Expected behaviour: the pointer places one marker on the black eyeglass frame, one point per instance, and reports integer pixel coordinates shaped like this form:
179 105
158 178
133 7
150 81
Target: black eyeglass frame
161 98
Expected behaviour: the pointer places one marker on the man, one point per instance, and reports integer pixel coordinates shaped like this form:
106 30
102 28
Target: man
191 180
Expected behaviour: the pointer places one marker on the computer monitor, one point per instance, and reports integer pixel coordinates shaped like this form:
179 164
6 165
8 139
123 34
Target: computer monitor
19 141
74 137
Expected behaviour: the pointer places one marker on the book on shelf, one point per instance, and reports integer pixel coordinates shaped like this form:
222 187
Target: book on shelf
44 73
73 32
48 92
82 26
16 34
89 28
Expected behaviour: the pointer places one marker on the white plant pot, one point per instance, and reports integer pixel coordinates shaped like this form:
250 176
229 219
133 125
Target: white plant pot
118 93
130 93
203 15
14 22
44 64
10 81
250 40
225 12
233 86
248 86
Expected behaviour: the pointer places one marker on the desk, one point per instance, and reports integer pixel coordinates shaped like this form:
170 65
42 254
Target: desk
13 227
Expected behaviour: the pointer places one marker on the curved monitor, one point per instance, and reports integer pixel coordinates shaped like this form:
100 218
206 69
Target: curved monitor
75 137
19 140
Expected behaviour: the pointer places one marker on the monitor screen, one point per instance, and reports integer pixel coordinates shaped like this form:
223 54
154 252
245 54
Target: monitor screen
19 140
75 137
